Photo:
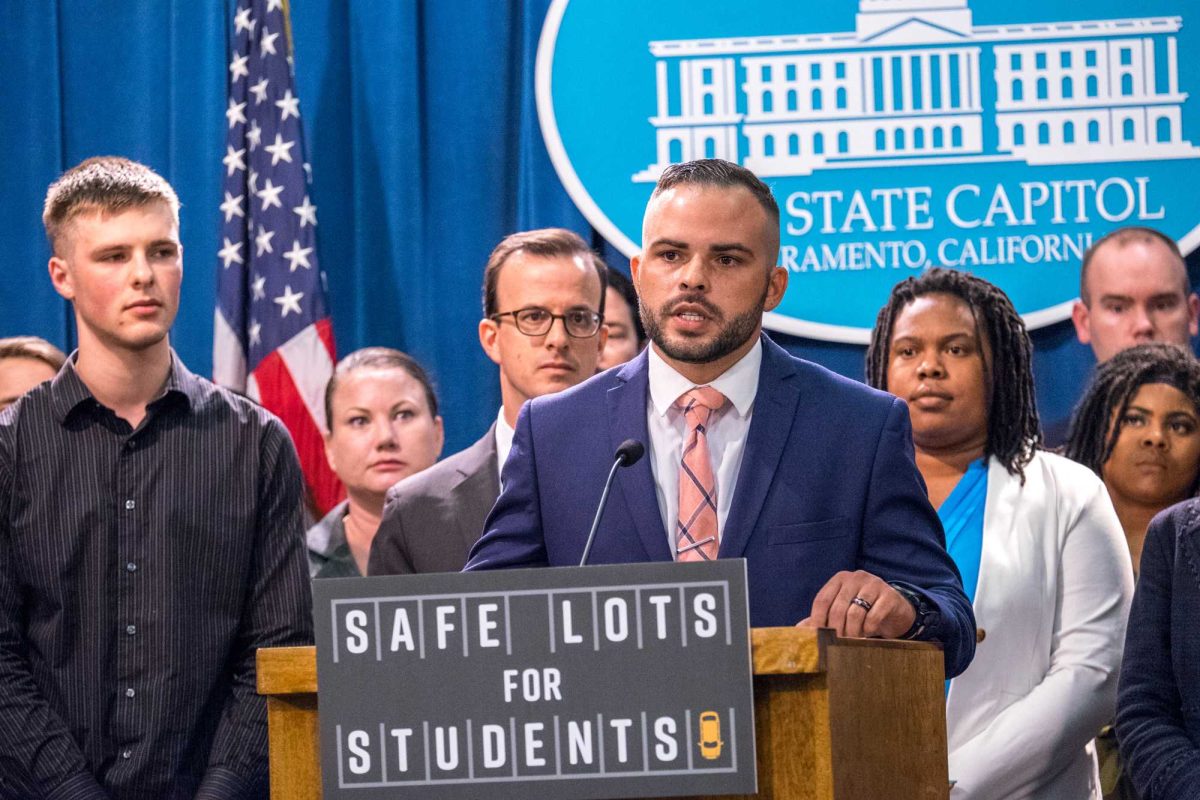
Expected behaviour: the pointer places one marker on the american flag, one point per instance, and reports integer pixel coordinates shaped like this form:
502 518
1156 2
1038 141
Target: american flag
272 335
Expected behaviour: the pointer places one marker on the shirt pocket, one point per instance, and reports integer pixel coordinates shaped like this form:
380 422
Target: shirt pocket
806 532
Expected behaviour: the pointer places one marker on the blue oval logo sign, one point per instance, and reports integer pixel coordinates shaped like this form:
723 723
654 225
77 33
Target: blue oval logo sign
1000 138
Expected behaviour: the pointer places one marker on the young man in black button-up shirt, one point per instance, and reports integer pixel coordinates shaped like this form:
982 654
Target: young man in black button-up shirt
151 533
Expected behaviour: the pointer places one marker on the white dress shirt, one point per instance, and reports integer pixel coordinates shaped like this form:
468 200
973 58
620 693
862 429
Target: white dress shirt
504 437
727 431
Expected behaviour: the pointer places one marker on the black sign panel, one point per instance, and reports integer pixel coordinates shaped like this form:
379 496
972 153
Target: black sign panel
594 682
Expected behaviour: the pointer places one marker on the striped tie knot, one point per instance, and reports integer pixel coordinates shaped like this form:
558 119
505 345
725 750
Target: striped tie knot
698 404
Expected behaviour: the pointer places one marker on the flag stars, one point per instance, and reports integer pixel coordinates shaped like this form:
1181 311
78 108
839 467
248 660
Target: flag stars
254 135
253 181
269 195
255 332
281 150
307 213
232 207
274 5
267 43
298 256
263 240
234 160
289 301
236 113
258 287
231 253
289 105
238 68
243 22
259 90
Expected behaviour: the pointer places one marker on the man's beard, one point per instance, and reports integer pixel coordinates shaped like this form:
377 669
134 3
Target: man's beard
732 334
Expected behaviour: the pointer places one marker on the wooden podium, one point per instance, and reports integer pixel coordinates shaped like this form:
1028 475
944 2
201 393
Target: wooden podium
835 719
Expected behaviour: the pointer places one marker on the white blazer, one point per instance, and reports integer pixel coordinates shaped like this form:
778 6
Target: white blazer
1055 582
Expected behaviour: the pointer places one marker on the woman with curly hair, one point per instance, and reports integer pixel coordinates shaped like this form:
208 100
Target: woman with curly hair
1138 428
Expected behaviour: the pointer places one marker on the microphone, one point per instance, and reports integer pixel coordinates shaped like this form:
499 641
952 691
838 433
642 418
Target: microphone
628 454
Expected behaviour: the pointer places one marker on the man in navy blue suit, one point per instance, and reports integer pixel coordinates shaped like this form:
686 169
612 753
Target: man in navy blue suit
808 476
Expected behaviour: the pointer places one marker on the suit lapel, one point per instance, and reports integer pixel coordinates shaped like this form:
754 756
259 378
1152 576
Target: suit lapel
1002 509
476 493
770 430
627 420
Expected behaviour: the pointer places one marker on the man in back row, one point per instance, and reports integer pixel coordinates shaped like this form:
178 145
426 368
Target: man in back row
151 531
1133 289
543 305
750 452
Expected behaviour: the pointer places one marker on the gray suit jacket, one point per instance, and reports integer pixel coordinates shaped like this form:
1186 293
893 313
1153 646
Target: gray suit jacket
431 520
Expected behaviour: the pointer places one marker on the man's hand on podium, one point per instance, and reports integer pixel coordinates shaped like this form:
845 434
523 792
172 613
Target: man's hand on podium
858 604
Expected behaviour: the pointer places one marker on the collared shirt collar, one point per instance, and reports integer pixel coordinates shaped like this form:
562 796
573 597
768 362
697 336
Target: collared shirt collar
504 438
69 393
739 383
328 536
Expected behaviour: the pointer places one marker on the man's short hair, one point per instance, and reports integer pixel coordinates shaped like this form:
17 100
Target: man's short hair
719 173
109 184
1121 237
543 243
33 348
625 288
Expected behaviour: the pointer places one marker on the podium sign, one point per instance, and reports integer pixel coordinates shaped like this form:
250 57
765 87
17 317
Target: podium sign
600 682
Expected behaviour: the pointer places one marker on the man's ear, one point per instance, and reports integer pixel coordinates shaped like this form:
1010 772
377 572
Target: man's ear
776 286
1080 316
60 277
1193 303
489 336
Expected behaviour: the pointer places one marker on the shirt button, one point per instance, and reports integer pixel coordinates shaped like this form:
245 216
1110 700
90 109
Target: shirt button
130 692
126 753
131 567
129 504
131 629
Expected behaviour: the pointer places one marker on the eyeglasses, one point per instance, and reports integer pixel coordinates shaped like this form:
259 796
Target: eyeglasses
580 323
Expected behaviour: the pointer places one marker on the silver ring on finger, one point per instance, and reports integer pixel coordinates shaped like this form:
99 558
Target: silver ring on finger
865 605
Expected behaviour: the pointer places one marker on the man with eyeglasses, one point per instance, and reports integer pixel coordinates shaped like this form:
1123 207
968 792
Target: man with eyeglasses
543 307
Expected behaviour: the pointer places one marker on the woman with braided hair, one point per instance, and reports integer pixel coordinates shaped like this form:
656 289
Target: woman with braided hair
1138 427
1033 534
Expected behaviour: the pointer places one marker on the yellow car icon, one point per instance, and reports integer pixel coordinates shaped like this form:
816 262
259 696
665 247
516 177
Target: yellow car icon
710 735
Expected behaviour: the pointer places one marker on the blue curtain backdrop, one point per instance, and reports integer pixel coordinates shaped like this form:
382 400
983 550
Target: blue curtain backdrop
425 148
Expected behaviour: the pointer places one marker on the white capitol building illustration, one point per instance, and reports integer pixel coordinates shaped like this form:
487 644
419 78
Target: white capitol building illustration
908 87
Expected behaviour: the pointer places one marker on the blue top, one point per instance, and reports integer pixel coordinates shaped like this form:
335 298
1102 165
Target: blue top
962 518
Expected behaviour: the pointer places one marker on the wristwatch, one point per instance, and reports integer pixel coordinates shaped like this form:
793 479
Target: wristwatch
927 614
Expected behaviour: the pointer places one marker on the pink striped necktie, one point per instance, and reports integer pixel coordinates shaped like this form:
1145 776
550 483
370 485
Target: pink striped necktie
696 529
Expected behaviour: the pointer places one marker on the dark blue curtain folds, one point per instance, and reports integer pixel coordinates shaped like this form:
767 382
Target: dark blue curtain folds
425 148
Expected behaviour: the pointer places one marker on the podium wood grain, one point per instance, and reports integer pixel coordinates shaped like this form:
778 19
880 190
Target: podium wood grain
835 719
